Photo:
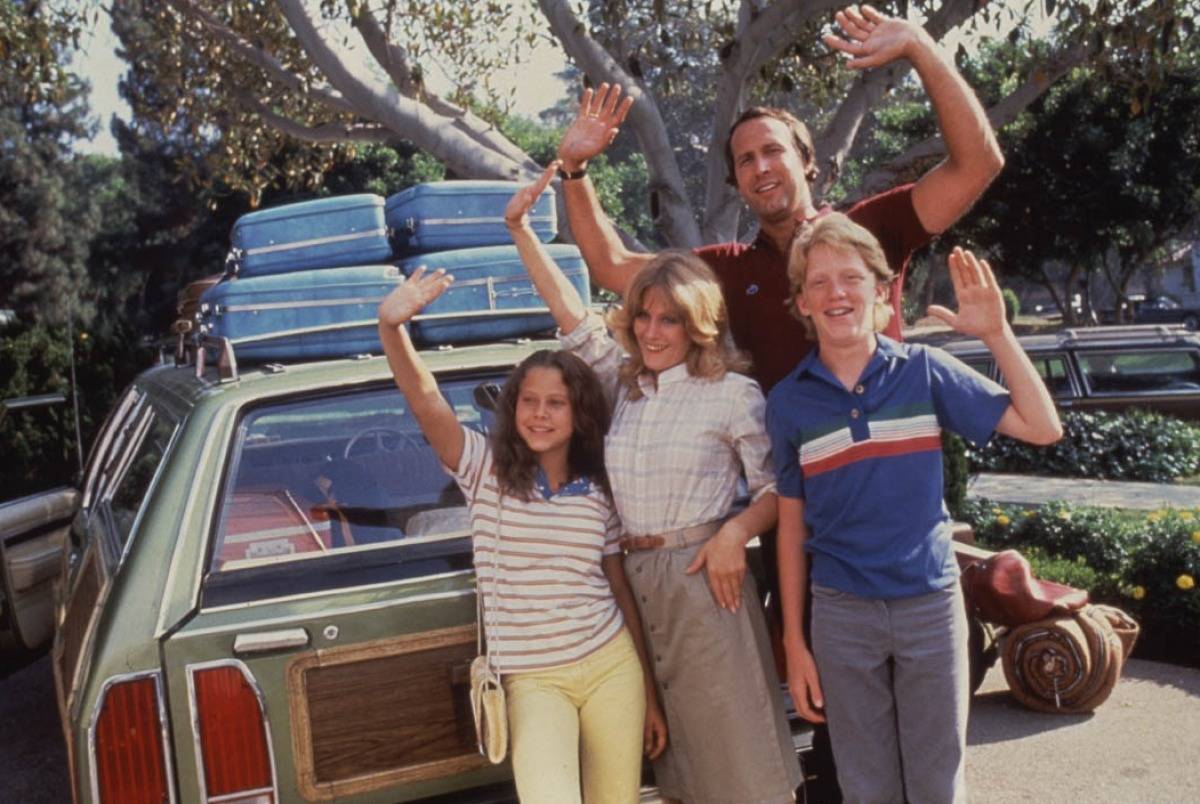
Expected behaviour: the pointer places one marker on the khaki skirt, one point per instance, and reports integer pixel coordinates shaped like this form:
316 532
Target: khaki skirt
729 739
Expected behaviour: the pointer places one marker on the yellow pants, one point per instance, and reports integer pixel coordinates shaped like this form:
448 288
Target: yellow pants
579 726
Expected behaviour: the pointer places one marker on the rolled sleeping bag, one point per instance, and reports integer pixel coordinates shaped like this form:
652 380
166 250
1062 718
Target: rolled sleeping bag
1063 665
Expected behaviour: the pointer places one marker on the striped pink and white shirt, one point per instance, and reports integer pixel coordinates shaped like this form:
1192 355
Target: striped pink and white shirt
546 599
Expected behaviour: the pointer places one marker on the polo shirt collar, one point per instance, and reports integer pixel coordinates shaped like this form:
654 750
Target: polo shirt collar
886 350
574 488
676 373
762 241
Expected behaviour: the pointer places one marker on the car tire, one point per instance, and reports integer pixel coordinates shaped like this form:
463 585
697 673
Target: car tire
1192 322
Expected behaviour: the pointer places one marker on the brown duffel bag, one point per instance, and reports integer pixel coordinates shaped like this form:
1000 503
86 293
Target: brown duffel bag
1001 590
1068 664
187 303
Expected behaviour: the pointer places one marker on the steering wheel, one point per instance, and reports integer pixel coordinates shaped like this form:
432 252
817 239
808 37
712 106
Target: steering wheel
383 439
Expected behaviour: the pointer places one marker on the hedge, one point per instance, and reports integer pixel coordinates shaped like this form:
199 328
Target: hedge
1145 563
1134 445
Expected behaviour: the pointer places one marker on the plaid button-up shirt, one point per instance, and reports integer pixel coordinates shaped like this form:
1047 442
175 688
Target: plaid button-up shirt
675 455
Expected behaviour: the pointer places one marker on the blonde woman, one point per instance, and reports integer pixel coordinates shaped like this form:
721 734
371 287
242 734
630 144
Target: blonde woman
685 427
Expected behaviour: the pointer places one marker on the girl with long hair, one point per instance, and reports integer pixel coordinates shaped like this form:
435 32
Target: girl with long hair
685 427
563 631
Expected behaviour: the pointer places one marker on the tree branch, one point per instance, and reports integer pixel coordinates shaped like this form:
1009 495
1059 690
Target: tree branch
261 58
406 117
668 196
325 132
1003 113
394 60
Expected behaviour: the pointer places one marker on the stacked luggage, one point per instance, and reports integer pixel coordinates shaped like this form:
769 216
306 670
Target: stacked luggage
305 280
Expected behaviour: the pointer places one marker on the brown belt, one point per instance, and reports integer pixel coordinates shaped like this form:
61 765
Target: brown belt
670 540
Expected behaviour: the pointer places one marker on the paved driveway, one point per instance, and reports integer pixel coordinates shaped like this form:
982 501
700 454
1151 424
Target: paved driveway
1142 745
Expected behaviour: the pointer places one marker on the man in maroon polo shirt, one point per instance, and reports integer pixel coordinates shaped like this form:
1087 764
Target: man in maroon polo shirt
771 160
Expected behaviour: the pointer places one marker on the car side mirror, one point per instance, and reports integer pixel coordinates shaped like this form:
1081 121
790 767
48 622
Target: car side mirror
487 394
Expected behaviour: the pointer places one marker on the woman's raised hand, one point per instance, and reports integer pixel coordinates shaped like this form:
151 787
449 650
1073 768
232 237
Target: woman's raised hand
418 290
516 214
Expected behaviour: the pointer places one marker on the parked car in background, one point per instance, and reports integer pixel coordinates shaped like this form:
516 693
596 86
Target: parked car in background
1166 309
1108 368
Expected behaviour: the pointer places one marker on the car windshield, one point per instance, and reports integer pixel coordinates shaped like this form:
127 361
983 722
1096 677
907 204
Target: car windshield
336 475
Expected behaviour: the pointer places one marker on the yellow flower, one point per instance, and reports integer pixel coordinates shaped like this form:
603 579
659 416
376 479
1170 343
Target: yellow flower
1138 592
1153 516
1029 513
1186 516
1185 582
997 511
1196 536
1002 520
1064 515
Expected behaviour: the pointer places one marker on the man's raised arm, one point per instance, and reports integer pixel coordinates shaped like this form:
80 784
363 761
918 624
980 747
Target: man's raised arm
600 116
973 159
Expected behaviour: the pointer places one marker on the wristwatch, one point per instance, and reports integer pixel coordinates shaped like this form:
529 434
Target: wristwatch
568 175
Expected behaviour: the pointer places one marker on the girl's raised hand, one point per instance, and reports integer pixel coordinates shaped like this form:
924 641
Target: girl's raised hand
410 297
516 214
980 302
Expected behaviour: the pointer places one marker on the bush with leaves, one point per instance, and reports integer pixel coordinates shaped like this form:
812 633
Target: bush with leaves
1146 563
1135 445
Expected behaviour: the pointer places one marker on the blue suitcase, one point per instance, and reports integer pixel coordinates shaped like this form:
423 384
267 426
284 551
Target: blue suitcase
324 233
492 296
277 317
462 214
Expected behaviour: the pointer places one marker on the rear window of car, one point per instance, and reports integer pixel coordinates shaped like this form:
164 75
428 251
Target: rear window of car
1054 373
344 476
1143 371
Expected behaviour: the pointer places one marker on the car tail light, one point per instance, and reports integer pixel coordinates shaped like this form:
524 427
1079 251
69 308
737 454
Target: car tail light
128 743
233 738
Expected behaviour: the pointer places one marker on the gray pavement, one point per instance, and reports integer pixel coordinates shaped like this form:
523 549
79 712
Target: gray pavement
1142 745
1033 490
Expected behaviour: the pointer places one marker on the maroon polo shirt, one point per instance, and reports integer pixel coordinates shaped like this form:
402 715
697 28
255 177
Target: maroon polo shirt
754 278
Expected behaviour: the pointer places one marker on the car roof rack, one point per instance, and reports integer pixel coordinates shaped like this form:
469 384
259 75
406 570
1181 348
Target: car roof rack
1123 332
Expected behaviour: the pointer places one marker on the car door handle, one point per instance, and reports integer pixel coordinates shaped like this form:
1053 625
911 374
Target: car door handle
267 641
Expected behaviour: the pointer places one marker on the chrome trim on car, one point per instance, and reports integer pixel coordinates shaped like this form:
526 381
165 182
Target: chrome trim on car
195 719
334 612
266 641
189 505
93 774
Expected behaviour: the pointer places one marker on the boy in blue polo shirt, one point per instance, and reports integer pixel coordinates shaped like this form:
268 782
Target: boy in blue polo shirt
856 434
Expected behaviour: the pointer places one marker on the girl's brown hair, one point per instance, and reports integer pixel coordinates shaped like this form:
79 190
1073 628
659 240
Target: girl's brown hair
693 290
515 463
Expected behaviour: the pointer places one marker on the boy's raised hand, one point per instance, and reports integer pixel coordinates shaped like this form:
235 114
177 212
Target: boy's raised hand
980 303
601 114
516 214
409 298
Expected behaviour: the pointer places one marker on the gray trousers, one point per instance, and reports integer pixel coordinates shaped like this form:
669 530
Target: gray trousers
895 678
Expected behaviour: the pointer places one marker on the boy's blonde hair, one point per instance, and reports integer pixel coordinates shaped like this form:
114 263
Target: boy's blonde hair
837 231
692 289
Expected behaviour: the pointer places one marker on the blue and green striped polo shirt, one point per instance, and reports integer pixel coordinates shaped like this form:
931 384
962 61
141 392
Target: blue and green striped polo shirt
867 461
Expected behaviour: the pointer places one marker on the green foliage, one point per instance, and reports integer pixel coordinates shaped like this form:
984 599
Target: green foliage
44 225
1012 305
955 472
1135 445
1147 563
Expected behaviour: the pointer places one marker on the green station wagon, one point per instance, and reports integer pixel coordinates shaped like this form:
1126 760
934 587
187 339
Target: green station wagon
266 590
262 590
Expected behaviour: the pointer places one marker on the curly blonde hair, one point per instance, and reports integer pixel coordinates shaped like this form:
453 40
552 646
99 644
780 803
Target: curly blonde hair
839 232
692 289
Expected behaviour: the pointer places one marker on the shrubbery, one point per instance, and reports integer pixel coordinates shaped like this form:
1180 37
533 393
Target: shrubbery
1147 564
1135 445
